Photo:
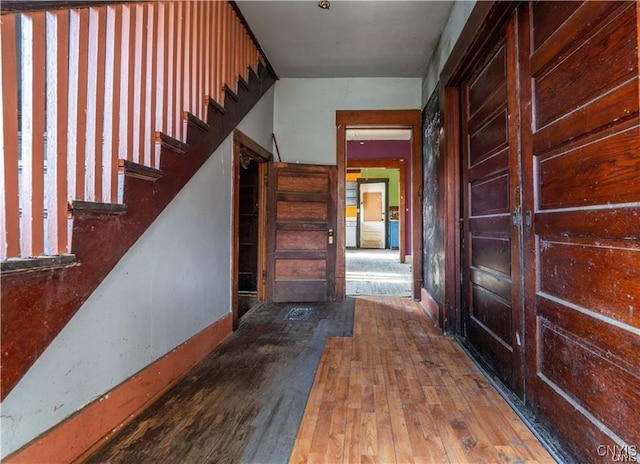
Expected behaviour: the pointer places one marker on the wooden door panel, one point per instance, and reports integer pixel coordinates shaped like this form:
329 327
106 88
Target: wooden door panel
610 175
302 213
582 245
490 162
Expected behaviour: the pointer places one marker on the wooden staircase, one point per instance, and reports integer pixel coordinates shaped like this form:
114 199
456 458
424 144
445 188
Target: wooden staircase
40 295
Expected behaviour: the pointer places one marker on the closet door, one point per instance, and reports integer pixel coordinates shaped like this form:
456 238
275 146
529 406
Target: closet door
582 223
491 237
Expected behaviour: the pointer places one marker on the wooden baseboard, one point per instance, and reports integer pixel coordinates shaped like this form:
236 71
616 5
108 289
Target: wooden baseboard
431 307
81 434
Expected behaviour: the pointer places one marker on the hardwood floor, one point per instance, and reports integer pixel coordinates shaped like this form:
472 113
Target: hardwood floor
245 401
398 391
303 383
377 272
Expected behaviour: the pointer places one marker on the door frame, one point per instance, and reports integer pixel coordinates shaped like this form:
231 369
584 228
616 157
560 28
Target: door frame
390 163
381 119
374 180
245 148
483 22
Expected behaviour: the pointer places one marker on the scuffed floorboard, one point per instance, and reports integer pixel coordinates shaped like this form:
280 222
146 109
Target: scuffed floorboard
243 403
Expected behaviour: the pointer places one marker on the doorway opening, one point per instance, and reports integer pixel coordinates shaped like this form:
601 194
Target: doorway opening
377 151
249 225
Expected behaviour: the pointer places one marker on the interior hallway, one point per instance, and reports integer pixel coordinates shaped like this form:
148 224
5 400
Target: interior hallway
377 273
394 390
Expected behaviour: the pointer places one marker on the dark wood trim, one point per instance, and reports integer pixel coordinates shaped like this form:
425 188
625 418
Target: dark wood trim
243 145
196 121
485 20
98 208
382 119
243 83
257 151
43 262
341 241
390 164
172 144
450 317
230 93
215 105
140 171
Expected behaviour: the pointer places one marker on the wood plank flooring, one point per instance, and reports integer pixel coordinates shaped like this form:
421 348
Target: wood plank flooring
245 401
387 389
398 391
377 272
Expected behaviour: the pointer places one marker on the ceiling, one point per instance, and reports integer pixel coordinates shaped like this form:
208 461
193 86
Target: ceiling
362 38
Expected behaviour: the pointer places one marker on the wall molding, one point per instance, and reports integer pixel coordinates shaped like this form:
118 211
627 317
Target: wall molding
78 436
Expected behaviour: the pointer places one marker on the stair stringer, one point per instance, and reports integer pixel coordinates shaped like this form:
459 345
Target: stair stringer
38 303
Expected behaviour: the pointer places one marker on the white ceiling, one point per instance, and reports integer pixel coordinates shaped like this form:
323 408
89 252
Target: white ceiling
365 38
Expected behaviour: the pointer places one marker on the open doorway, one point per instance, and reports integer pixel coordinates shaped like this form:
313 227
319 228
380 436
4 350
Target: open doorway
249 225
378 156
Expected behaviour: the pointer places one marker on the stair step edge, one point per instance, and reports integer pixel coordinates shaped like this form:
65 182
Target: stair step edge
98 208
195 120
171 143
139 171
37 263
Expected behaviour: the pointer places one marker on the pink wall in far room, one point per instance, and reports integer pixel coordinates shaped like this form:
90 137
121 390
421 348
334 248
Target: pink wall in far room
388 149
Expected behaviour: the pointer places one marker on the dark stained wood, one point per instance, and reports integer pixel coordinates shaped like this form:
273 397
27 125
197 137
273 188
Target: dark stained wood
573 111
452 185
129 168
556 93
248 251
581 250
302 199
490 193
41 303
383 119
245 401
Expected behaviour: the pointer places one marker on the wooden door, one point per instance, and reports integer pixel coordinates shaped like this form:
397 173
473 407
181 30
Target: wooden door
582 223
302 227
372 214
491 235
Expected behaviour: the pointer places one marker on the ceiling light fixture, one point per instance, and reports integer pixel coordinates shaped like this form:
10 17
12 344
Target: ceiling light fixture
324 4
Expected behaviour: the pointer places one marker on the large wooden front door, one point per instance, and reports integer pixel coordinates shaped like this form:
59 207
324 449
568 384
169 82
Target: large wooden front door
491 235
302 227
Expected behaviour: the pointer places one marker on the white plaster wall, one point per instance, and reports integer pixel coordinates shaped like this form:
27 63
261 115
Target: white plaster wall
174 282
457 19
305 111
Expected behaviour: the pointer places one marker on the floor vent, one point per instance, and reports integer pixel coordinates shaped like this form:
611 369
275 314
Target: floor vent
300 313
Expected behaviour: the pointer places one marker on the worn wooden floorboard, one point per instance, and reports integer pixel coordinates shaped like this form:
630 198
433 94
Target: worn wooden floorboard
243 403
387 389
413 396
